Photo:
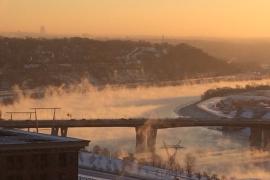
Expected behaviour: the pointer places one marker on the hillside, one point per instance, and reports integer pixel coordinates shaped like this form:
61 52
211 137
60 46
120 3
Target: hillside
254 51
37 62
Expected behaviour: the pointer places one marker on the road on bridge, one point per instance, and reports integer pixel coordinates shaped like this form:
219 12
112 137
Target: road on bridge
155 123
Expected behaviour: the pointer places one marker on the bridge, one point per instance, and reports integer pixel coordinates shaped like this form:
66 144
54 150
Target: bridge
146 129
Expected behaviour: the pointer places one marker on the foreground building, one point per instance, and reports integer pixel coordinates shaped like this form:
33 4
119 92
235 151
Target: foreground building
31 156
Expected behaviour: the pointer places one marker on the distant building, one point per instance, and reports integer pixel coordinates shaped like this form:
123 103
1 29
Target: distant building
42 30
31 156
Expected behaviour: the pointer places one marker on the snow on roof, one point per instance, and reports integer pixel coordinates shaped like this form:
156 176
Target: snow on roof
15 136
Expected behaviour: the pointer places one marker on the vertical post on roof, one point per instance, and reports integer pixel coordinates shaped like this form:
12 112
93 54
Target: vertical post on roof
36 120
30 118
54 116
54 109
55 128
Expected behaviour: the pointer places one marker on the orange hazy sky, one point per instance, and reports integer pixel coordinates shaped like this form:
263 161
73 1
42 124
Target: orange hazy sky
205 18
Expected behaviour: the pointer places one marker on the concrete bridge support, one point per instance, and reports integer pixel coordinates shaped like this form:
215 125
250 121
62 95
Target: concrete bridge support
145 139
63 131
266 138
260 138
54 131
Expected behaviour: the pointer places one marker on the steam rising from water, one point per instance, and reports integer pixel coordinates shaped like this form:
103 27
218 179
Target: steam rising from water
214 152
85 101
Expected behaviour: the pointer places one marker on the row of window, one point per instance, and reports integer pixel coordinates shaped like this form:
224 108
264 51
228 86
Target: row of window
37 161
60 176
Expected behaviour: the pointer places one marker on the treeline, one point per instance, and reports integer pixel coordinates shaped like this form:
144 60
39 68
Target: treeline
225 91
188 168
31 62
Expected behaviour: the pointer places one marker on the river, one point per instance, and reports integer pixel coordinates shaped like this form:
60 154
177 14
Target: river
214 152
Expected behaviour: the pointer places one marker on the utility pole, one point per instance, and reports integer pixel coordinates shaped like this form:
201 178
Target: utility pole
42 108
21 112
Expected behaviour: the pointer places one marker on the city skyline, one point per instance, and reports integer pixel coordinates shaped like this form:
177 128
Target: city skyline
174 18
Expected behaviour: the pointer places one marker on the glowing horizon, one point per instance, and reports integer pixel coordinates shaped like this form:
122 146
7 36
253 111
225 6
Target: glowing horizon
204 18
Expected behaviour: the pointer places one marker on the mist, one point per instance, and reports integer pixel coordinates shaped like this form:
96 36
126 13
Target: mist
214 151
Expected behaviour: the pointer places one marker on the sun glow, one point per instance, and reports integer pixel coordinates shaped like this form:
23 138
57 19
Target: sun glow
223 18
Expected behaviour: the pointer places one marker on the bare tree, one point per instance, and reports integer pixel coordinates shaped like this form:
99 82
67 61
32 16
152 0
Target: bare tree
214 177
105 152
223 177
96 149
190 161
199 175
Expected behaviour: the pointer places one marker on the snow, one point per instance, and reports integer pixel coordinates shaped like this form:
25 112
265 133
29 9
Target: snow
210 106
83 177
133 55
247 114
229 111
31 66
266 116
92 161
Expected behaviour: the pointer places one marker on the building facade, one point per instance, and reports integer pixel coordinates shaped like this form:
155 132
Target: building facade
30 156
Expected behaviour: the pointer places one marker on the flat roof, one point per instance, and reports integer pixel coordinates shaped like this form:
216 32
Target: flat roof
19 139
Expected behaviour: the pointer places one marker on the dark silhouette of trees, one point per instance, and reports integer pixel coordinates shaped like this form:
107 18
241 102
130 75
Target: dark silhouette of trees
224 91
190 162
36 62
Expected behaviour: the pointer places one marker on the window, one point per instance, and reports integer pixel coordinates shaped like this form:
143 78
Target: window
43 158
15 177
63 161
10 162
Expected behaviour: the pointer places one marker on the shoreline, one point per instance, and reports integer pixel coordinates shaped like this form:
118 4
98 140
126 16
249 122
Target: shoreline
193 111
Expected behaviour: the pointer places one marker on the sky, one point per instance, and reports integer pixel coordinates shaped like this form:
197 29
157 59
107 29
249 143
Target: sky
175 18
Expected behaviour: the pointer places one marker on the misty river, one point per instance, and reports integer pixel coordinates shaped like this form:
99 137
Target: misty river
214 152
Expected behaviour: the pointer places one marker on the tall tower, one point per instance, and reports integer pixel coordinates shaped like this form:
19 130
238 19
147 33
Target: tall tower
42 30
163 39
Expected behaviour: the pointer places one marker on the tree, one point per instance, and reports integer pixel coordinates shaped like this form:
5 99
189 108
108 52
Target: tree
105 152
199 175
214 177
190 161
96 149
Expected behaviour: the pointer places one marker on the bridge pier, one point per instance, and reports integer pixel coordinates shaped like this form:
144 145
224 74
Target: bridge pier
145 139
260 137
54 131
266 138
63 131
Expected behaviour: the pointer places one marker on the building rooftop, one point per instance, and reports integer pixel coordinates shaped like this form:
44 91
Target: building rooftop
19 139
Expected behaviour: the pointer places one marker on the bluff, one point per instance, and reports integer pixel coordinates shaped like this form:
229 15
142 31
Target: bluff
33 62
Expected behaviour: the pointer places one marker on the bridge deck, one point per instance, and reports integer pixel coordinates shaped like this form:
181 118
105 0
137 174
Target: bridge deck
156 123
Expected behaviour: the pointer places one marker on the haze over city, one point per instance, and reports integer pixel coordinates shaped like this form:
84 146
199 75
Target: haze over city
173 18
134 89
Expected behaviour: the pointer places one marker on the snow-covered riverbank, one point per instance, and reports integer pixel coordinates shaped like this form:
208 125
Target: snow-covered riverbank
238 106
